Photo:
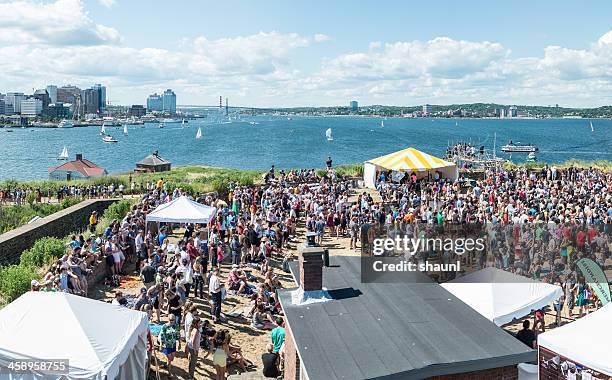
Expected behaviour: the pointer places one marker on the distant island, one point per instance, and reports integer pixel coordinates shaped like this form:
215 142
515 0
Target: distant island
473 110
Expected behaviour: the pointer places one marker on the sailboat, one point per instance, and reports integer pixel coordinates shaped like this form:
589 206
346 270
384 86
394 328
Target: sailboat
64 154
382 123
592 130
456 124
125 131
183 122
328 134
199 134
102 130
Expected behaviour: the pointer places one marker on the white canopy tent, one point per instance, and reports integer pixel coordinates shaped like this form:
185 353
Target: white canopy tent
408 161
502 296
100 340
182 210
585 341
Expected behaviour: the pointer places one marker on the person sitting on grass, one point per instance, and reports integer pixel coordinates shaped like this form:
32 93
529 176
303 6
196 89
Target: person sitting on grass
169 335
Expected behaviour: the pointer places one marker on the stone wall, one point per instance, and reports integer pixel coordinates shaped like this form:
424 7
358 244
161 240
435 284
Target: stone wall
60 224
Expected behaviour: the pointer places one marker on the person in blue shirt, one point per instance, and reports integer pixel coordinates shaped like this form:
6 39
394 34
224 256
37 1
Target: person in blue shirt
74 243
161 237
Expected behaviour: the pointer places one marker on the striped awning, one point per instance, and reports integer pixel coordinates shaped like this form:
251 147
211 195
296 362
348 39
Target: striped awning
410 159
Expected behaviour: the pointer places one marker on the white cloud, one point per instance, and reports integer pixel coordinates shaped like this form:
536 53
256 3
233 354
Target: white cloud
107 3
321 37
63 22
58 42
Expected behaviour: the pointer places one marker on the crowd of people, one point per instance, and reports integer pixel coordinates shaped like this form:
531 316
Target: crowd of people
536 224
238 254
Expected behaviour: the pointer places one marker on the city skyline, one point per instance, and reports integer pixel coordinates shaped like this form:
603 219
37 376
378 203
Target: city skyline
267 55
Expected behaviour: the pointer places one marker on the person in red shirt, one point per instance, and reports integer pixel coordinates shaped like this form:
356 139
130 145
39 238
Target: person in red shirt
580 239
191 250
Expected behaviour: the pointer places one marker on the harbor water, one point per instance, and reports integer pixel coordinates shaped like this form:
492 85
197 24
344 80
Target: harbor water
299 142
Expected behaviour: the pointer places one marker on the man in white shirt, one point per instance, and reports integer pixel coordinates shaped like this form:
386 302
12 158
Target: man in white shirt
214 287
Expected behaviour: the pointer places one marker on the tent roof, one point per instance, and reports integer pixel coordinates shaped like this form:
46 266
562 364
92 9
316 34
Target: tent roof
410 159
502 296
585 341
95 336
182 210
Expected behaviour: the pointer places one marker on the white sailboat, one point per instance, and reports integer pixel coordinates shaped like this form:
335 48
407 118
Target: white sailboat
125 130
103 130
592 130
328 134
382 123
199 134
64 154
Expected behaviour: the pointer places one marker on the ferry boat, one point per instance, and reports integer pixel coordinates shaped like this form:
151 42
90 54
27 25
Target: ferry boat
519 148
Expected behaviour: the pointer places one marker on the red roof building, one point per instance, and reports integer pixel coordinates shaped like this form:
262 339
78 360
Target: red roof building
77 169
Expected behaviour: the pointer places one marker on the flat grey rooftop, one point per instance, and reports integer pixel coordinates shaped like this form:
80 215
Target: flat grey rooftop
393 330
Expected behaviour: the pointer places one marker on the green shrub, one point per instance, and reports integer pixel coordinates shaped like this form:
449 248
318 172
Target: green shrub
220 185
116 211
31 198
15 280
43 252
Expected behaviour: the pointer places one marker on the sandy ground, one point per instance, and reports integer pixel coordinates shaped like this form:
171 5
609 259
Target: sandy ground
253 342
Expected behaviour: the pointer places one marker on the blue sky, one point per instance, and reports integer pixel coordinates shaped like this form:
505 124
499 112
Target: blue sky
280 53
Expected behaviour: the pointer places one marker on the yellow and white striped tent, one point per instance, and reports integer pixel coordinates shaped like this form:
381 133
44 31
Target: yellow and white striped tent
408 160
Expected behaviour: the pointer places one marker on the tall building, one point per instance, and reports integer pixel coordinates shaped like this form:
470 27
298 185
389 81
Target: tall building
354 105
12 102
2 110
31 107
52 91
101 96
427 109
68 94
502 113
154 103
169 101
90 101
43 96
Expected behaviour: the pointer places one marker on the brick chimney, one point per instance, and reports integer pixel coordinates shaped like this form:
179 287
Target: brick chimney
79 157
311 268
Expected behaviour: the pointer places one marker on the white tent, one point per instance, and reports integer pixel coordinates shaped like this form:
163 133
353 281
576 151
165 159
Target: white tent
408 160
182 210
502 296
585 341
101 341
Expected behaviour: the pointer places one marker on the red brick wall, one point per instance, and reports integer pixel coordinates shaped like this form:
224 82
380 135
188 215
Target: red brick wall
292 361
502 373
311 268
